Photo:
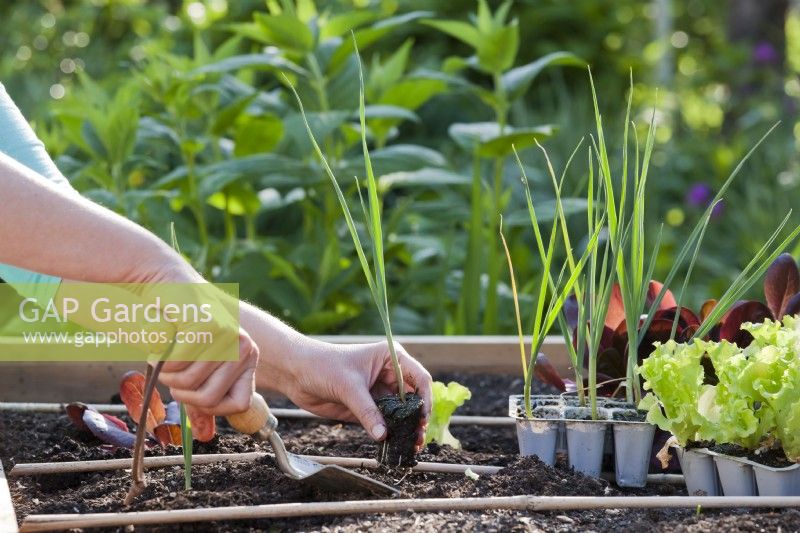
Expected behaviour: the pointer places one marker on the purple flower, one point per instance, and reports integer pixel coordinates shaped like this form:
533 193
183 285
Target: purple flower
764 52
718 209
699 195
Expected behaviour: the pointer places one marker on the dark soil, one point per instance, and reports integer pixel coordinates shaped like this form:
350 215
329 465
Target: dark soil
629 415
730 449
40 437
402 422
774 457
692 444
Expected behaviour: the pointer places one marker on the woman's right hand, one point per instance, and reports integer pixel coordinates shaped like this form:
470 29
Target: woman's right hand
214 387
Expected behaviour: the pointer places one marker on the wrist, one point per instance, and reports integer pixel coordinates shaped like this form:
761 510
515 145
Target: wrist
169 267
291 368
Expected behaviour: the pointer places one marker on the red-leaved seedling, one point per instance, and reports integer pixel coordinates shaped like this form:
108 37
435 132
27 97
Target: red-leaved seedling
612 350
782 294
781 291
169 430
131 391
204 426
107 428
163 422
159 419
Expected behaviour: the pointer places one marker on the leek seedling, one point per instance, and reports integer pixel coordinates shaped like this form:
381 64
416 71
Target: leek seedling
577 350
186 426
626 236
556 290
375 274
595 289
592 289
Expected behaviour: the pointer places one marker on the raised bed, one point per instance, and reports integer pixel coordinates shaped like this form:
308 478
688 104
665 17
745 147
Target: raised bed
8 519
37 382
249 494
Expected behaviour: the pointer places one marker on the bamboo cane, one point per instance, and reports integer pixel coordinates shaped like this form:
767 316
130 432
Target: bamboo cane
37 469
8 520
656 479
35 523
279 412
27 407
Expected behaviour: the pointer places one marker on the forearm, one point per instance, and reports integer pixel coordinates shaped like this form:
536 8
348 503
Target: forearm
278 344
53 231
282 349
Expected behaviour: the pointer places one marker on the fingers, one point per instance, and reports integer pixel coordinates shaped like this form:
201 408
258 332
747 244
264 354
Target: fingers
188 377
420 380
227 391
214 387
362 406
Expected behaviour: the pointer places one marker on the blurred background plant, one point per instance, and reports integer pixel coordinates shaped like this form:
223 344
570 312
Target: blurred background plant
175 110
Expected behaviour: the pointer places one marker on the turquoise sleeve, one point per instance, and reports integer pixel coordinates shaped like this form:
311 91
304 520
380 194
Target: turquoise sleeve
18 141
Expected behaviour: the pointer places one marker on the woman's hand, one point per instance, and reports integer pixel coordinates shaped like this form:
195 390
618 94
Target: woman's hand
214 387
342 382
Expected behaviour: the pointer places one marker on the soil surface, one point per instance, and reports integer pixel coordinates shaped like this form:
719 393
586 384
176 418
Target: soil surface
730 449
629 415
49 437
773 457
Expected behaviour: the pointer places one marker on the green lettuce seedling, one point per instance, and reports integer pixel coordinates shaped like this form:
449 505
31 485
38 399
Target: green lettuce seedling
755 403
674 376
446 399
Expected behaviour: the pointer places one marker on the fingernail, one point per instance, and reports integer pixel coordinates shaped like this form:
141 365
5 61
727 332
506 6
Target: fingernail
378 431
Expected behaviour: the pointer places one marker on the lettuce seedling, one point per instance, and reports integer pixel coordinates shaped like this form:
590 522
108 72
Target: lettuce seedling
674 375
756 401
683 403
446 399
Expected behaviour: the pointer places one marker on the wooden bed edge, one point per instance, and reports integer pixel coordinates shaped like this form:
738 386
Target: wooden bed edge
8 518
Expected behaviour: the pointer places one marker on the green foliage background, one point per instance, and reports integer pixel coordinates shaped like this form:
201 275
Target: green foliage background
177 111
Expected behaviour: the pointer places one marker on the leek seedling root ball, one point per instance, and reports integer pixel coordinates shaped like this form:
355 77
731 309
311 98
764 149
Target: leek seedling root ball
402 420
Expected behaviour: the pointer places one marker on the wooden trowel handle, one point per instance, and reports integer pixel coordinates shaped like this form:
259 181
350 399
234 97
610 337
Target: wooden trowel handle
258 420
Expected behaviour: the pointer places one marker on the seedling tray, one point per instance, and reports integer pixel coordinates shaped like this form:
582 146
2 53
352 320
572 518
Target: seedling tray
560 423
740 476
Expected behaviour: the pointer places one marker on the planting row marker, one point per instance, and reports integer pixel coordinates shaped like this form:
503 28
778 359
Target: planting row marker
36 469
287 510
280 413
8 520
